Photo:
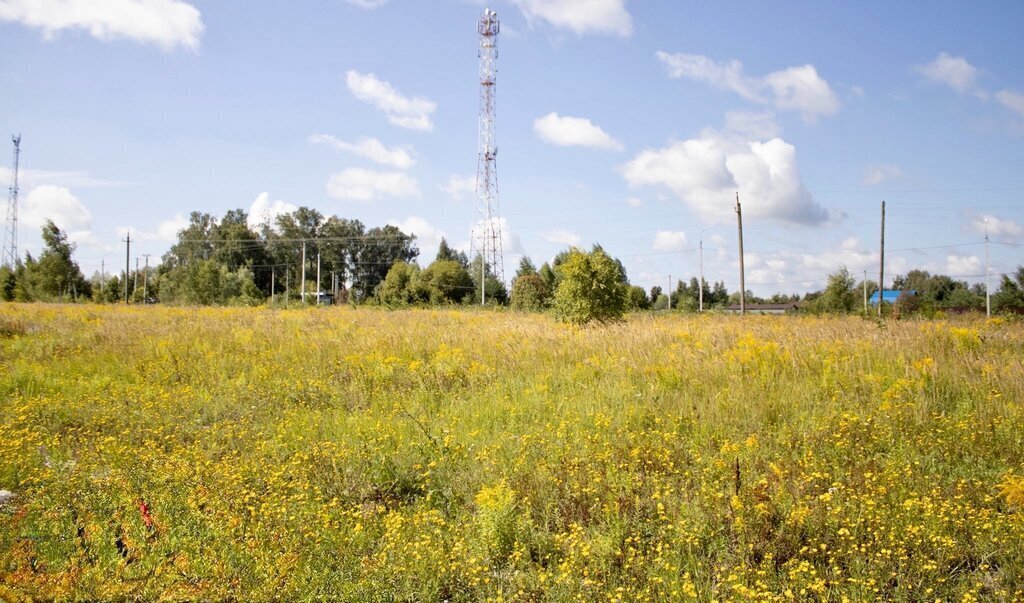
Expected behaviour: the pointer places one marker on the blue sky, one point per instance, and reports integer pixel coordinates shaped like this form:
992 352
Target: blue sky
627 123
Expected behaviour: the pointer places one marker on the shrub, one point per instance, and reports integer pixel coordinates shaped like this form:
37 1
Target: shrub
592 288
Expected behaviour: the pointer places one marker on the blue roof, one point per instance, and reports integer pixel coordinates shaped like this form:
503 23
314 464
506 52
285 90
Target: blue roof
889 295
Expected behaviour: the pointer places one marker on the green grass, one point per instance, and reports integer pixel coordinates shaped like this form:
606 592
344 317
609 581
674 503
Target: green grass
340 454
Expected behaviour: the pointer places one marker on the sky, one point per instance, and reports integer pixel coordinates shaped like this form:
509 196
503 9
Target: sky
626 123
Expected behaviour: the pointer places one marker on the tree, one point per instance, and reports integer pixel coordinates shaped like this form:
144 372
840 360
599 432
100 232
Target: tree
376 252
446 282
591 288
55 274
446 253
400 286
637 299
548 274
7 283
530 293
655 294
1011 292
838 295
525 267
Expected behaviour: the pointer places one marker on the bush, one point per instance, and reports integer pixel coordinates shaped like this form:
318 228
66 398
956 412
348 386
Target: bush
530 293
446 281
591 289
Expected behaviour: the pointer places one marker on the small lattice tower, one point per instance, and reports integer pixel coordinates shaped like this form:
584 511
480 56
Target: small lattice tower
485 237
10 252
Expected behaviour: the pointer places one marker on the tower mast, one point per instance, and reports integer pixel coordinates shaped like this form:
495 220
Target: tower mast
485 237
10 251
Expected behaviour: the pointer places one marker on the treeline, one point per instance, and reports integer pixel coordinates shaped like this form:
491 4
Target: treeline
307 257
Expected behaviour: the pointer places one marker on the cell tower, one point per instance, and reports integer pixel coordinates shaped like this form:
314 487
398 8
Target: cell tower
485 237
10 257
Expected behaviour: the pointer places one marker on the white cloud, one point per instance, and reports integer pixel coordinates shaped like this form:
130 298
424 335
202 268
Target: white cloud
562 237
66 178
797 88
960 266
998 227
581 16
57 203
458 186
263 211
573 131
877 174
168 229
1013 101
165 23
371 148
412 113
367 4
667 240
634 202
357 184
428 236
705 173
951 71
755 126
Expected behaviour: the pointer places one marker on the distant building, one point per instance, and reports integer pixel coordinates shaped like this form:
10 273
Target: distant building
889 296
787 308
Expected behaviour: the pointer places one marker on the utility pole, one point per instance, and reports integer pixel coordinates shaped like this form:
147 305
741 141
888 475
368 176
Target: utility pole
127 262
700 289
303 276
743 286
881 264
145 279
318 277
272 269
865 292
988 298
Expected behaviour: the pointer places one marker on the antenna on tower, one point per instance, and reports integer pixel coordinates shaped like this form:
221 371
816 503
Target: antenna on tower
485 236
10 252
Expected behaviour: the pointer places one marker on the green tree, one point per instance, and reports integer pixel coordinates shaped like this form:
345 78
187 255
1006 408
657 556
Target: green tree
525 267
376 252
446 281
838 295
1011 292
56 275
446 253
7 283
530 293
400 286
494 290
591 288
637 299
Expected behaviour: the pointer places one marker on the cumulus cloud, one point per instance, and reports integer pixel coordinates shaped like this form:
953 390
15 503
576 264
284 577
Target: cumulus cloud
705 172
962 266
460 186
562 237
357 184
798 88
165 23
57 203
573 131
877 174
370 148
668 240
608 17
1013 101
402 111
997 227
168 229
951 71
428 236
264 211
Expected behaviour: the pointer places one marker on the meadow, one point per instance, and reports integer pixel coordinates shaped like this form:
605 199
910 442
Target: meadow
430 455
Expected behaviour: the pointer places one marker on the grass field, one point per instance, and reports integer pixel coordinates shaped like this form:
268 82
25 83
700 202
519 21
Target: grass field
363 455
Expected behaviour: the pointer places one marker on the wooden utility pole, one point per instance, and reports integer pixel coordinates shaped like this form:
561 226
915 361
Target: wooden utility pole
145 279
881 265
743 286
302 277
127 262
272 275
318 277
